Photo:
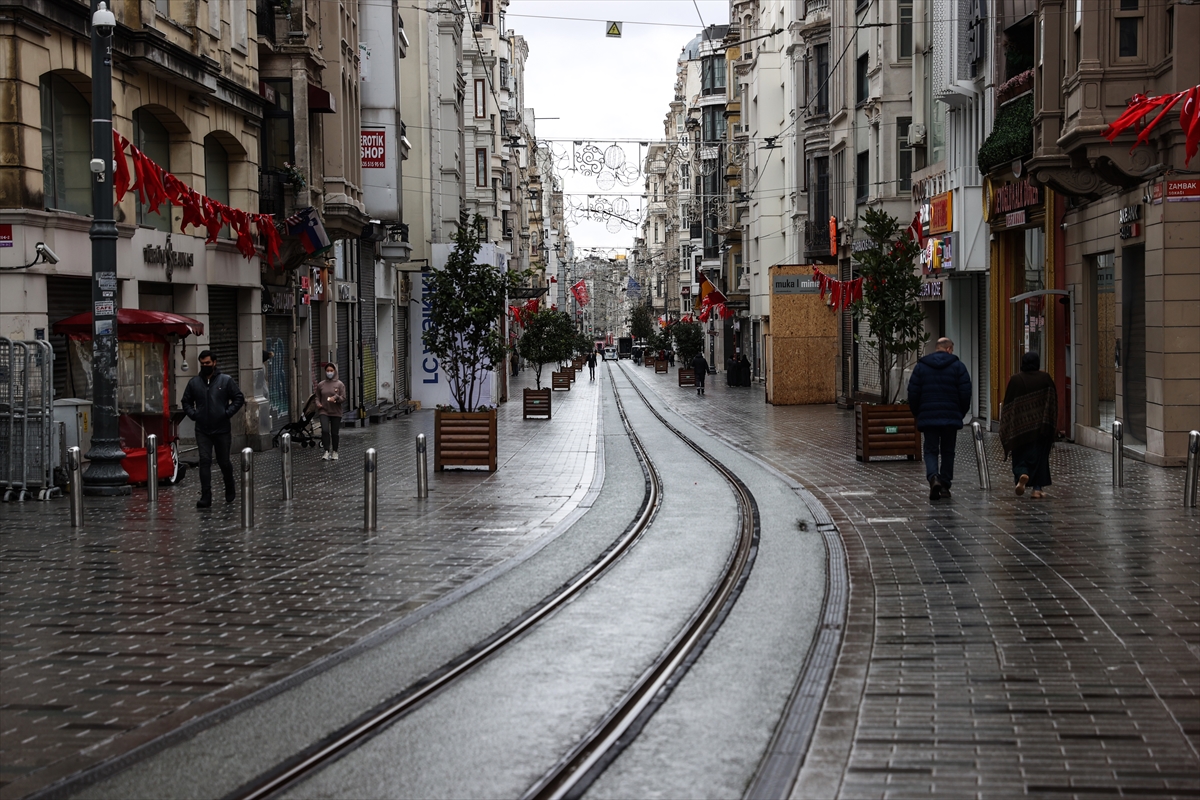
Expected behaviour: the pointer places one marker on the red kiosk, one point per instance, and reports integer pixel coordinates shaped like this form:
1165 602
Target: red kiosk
144 342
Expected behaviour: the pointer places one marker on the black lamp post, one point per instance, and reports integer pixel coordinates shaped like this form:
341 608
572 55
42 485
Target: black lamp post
104 475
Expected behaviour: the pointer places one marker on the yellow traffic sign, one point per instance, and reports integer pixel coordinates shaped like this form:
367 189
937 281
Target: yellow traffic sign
613 31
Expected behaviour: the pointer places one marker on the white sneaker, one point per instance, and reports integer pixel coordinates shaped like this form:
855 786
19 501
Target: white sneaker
325 456
335 455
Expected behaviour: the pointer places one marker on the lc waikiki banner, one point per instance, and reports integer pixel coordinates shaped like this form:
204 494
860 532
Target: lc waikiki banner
428 379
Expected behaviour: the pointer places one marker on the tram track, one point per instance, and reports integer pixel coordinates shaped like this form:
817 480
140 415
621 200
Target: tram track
573 774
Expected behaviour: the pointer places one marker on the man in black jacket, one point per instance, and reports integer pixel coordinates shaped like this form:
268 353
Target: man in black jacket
211 398
939 394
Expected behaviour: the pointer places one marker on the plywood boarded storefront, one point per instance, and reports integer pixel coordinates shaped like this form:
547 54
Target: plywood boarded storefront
803 347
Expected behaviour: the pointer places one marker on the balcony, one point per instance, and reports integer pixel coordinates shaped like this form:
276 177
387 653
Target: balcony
264 12
272 196
816 243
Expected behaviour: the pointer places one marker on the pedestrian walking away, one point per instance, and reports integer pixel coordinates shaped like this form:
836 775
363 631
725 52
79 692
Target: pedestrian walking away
939 395
331 394
744 371
515 362
591 362
700 366
1029 425
732 370
210 400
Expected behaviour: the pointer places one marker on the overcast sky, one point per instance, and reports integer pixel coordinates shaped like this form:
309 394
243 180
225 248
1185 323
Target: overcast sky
604 89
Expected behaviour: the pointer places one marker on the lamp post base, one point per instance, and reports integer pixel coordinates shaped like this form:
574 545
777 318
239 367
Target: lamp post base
105 477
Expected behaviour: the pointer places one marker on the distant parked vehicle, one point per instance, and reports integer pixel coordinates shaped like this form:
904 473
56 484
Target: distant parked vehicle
610 354
625 347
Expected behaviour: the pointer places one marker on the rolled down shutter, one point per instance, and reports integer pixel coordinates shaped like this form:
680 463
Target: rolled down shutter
343 348
366 310
65 297
402 392
223 328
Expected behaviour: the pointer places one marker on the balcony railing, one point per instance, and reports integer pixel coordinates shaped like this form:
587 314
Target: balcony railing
813 6
264 11
272 199
816 240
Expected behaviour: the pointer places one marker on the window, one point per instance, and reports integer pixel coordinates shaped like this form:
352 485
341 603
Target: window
712 75
820 191
838 183
504 74
216 173
66 146
151 138
480 98
714 124
861 81
903 156
481 167
485 12
862 177
278 130
1128 18
1170 29
821 89
905 45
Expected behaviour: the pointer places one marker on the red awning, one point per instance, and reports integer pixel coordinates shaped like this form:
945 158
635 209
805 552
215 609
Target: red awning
134 320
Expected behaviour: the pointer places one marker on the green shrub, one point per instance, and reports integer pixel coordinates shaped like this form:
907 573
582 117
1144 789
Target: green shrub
1011 137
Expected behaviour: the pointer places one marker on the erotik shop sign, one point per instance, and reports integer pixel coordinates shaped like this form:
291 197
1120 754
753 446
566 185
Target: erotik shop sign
374 149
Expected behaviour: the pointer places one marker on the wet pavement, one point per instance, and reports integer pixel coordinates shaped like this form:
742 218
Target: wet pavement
994 645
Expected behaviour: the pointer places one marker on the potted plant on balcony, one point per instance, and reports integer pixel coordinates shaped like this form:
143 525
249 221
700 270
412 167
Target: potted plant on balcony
465 300
549 337
891 307
689 343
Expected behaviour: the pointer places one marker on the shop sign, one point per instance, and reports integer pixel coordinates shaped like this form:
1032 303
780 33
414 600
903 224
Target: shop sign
941 213
6 239
1129 217
685 291
374 150
931 290
938 254
1015 196
1187 191
861 245
318 284
794 284
1014 219
279 300
168 256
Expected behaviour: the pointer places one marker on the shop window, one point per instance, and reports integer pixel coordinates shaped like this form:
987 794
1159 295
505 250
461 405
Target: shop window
1104 334
1128 19
903 155
66 146
216 173
151 138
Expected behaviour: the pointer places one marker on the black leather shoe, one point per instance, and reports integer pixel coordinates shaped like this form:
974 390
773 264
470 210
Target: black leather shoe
935 489
230 497
204 502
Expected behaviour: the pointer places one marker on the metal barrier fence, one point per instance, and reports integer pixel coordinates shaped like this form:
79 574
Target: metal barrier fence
27 440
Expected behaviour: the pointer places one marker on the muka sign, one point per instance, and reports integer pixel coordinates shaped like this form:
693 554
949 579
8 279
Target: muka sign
374 150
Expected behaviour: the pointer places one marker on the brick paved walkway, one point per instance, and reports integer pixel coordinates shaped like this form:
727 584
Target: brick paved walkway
145 619
996 646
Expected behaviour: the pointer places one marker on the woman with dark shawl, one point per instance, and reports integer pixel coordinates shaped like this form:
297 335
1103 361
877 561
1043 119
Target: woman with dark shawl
1029 423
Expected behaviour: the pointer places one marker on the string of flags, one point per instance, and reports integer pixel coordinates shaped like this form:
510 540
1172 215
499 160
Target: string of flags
156 187
841 293
522 313
1140 105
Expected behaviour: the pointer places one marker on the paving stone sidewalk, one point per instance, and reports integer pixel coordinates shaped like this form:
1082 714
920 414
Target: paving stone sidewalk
124 630
996 646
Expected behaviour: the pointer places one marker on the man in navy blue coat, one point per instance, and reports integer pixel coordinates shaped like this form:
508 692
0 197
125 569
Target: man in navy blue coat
939 394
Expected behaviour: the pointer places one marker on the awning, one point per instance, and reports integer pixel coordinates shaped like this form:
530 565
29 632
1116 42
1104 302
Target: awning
134 321
320 101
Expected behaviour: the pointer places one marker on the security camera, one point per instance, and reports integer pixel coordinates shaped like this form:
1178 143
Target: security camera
48 255
103 21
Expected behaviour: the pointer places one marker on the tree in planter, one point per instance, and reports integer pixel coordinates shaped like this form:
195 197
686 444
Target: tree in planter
641 323
890 296
689 341
466 300
583 344
549 337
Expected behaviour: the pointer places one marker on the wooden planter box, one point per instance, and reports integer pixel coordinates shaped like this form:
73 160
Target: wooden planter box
464 439
660 366
687 377
560 380
577 364
648 362
572 371
885 430
537 403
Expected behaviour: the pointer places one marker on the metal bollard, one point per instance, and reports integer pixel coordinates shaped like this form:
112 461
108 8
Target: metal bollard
1192 476
285 460
1118 454
422 468
247 487
985 478
369 487
75 471
152 469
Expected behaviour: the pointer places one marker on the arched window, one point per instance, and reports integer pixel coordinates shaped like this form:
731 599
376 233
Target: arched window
151 138
216 173
66 146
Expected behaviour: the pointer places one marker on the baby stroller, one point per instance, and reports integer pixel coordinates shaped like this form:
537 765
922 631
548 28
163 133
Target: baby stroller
301 430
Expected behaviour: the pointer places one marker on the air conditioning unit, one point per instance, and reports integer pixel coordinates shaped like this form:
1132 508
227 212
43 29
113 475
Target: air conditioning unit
916 134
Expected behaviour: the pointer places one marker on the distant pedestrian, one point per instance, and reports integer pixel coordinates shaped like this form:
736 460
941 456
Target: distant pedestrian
732 371
515 362
700 367
209 400
591 362
671 358
744 371
939 394
331 394
1029 424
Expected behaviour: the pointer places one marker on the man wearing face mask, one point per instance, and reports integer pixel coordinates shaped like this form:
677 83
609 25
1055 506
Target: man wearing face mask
331 394
211 398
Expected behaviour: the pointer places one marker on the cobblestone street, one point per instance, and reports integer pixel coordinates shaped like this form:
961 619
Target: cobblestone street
995 645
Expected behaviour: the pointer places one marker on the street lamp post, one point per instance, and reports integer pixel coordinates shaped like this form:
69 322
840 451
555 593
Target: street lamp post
104 475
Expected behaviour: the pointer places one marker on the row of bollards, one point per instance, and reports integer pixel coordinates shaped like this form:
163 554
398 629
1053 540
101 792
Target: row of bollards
1118 454
1192 476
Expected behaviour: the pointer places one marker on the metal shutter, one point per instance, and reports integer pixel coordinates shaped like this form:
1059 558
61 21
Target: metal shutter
316 354
65 297
366 310
984 376
402 390
223 328
343 349
278 329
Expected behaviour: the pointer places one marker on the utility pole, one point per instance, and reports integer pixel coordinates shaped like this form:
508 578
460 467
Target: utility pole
104 475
